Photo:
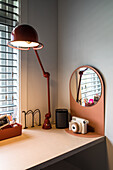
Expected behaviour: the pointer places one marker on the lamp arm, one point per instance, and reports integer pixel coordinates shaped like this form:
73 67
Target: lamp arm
80 73
79 87
46 75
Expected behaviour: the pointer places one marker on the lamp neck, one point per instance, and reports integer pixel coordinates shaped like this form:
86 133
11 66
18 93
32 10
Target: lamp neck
46 75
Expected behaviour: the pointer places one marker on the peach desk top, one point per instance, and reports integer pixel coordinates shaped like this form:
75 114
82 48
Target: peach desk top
36 146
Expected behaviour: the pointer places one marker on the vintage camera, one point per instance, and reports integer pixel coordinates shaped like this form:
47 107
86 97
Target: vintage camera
78 125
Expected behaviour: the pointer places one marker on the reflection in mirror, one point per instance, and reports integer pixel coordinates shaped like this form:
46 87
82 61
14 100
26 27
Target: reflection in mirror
85 86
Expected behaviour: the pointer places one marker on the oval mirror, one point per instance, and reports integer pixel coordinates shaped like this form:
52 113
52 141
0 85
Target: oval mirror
85 86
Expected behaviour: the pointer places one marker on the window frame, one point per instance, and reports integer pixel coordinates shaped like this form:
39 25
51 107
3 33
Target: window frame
18 108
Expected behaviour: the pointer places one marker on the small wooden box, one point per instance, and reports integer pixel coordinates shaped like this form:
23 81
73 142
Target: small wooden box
10 131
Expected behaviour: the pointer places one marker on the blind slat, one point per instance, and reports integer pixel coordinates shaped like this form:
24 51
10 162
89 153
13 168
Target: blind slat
8 18
11 105
8 4
91 78
7 86
8 66
8 57
4 93
90 82
84 92
8 100
91 95
5 52
7 73
5 24
6 11
5 31
5 38
8 79
7 112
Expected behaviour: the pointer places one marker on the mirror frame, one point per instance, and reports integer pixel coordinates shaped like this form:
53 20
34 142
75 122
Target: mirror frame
94 114
80 85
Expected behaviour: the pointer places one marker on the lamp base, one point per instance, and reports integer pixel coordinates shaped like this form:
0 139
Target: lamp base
47 124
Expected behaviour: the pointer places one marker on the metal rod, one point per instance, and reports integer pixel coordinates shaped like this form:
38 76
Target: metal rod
25 121
80 73
39 118
32 119
25 113
46 75
39 61
38 111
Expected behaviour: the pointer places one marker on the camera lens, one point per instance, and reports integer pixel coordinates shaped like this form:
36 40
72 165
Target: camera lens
75 127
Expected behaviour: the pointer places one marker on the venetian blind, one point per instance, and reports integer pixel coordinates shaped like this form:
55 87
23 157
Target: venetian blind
9 17
90 85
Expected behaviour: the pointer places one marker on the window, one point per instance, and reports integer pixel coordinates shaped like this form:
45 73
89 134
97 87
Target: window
9 18
90 85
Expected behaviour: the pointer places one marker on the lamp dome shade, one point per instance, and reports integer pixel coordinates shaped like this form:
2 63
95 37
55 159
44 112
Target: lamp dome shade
24 36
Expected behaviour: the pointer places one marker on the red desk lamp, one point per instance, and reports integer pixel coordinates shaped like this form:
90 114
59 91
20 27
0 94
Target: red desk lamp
24 37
